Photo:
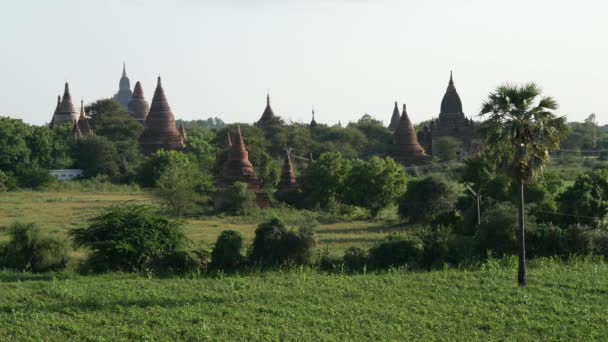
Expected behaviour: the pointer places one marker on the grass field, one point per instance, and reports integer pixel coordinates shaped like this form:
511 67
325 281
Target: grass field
563 302
57 212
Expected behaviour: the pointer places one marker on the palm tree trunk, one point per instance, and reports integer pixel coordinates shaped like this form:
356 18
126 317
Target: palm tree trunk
521 272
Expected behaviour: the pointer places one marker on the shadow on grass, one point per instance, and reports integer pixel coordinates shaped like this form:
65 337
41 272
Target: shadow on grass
378 229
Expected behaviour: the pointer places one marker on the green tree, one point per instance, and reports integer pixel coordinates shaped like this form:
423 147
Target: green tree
374 184
378 136
237 199
176 189
586 201
96 155
13 144
118 126
153 166
447 148
427 198
325 179
520 131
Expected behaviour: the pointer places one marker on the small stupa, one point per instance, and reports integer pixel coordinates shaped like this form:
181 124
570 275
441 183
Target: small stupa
82 128
395 118
267 116
65 114
288 178
138 106
405 147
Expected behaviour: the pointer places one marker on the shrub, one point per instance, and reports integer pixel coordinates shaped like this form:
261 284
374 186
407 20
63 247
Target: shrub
275 245
396 251
7 183
33 177
545 240
427 198
176 189
578 239
237 199
152 168
226 254
585 201
129 238
498 230
29 249
355 259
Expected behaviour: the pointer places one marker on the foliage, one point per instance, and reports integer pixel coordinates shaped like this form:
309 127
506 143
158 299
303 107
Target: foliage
128 237
498 230
325 179
33 177
176 189
96 155
275 245
7 182
199 145
396 250
355 259
374 184
586 201
237 199
447 148
427 198
377 135
13 144
226 254
28 249
118 126
153 166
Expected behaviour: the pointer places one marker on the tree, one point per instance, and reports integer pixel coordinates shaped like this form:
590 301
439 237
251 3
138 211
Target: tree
153 166
176 189
520 131
13 144
375 184
378 136
324 179
96 155
586 201
237 199
447 148
118 126
427 198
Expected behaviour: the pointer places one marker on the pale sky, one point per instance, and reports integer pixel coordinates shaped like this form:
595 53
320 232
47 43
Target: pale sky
345 58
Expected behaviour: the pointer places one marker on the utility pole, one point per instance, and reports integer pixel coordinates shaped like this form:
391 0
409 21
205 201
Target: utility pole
478 198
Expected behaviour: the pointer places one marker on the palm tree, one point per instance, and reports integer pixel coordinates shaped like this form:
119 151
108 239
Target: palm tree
520 131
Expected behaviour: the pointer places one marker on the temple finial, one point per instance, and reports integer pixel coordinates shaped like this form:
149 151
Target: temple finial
124 69
451 78
313 113
158 83
268 98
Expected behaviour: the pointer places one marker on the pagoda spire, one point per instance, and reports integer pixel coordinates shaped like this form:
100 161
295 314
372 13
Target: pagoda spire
288 178
124 69
395 118
228 139
405 148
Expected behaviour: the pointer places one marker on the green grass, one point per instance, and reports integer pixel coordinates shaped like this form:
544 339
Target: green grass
59 211
564 301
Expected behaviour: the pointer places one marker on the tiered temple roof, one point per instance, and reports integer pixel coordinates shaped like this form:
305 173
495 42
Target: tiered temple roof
124 90
288 178
160 131
406 149
65 114
238 168
138 106
395 118
81 127
313 122
267 116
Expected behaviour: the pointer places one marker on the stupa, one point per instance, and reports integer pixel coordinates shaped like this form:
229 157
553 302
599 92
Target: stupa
124 90
395 118
52 123
267 116
82 128
405 148
65 114
313 122
238 168
288 178
160 131
138 106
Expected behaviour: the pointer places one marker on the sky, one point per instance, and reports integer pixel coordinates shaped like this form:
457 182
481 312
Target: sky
345 58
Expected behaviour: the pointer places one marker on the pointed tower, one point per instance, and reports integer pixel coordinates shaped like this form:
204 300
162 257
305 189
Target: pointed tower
406 149
267 117
66 114
52 123
138 106
83 123
395 118
76 133
451 121
288 178
228 139
313 123
124 90
160 131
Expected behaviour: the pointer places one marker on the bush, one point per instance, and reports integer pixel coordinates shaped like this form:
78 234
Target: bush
355 259
7 183
33 177
129 238
427 198
28 249
226 254
153 167
275 245
498 230
237 199
545 240
176 189
396 251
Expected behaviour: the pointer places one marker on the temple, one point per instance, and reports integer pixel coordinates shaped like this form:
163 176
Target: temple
160 131
138 106
182 131
267 116
238 168
395 118
52 123
82 128
405 148
124 90
65 113
450 123
313 122
288 178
